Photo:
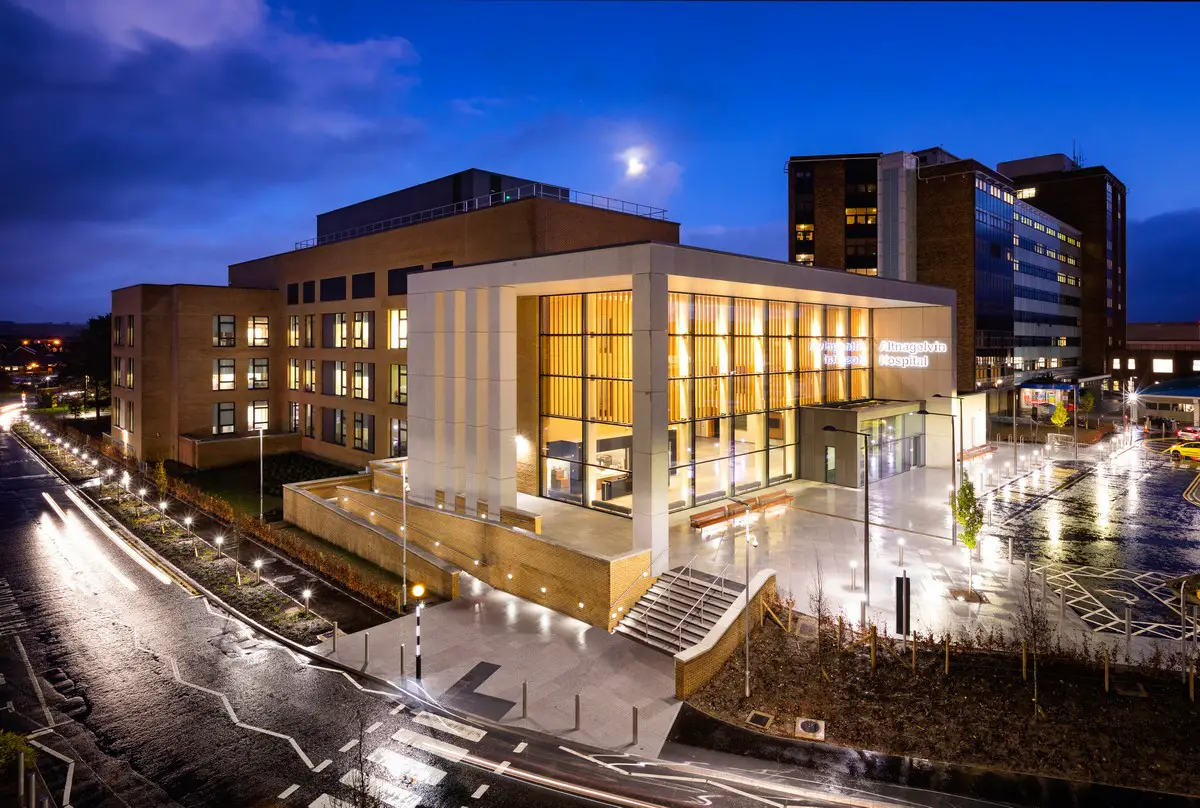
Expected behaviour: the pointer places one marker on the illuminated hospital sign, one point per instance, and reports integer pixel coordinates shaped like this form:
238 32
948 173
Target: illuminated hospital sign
850 353
895 354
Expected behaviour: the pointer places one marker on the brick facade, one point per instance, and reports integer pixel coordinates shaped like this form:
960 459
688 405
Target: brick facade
829 205
695 667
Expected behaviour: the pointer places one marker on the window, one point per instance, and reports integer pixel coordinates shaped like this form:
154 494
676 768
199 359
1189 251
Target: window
293 294
397 279
293 380
861 215
118 331
223 376
807 259
224 330
116 412
293 334
333 330
129 328
257 415
363 371
397 329
333 378
333 425
1131 363
1196 364
309 325
441 265
129 373
223 418
364 329
309 431
1163 365
333 288
118 373
293 416
1117 363
399 447
310 291
399 384
362 285
128 416
258 331
257 378
310 375
364 432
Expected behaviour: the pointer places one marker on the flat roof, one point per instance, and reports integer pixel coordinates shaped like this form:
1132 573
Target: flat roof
193 286
1187 387
818 157
689 269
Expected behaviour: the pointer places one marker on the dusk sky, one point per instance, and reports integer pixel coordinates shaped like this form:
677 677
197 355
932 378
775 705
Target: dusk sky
151 141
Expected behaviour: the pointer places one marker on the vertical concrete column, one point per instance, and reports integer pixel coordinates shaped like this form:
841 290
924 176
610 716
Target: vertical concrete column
454 430
477 397
426 389
502 399
651 499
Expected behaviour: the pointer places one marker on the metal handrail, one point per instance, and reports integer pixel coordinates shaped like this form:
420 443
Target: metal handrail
678 575
699 603
643 574
533 190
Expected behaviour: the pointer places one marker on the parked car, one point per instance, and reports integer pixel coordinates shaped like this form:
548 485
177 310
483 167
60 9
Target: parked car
1190 450
1189 433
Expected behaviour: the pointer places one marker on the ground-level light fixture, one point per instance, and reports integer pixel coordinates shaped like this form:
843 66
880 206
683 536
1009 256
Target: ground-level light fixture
258 569
543 590
219 540
307 593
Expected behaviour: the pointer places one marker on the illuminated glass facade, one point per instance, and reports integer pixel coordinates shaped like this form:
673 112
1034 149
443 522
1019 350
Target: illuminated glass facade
739 369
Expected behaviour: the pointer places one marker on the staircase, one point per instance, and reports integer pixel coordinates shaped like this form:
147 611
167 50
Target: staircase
679 609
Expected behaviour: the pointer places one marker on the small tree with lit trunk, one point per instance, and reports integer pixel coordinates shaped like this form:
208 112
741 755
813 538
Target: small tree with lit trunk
1087 403
1060 416
158 475
968 512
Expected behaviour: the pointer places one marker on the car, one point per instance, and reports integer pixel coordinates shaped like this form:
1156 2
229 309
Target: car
1190 450
1189 433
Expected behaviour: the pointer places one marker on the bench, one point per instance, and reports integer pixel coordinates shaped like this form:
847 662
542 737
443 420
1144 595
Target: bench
715 516
978 451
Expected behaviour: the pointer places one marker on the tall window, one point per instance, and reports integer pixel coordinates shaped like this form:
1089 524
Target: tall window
333 425
363 371
364 432
129 372
333 327
128 416
310 375
397 329
258 374
293 416
399 442
116 412
334 383
223 418
309 430
129 329
259 332
293 374
118 331
309 326
293 334
118 372
223 376
364 329
224 330
399 384
257 415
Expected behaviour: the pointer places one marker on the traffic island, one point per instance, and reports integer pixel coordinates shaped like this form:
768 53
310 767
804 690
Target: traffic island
975 700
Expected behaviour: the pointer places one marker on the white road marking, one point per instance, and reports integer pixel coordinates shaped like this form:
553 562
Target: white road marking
449 725
289 791
434 747
479 792
392 795
393 711
321 766
405 768
503 766
520 748
349 745
326 801
37 687
375 726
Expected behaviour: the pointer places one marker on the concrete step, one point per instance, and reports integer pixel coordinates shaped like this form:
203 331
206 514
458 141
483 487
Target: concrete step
682 602
653 637
697 585
692 631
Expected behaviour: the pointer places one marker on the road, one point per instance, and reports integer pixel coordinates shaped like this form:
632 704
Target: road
153 697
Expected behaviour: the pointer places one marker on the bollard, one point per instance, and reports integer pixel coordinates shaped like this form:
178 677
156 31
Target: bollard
401 659
31 788
524 699
45 803
900 547
335 636
1128 630
635 722
577 712
862 614
418 663
366 648
20 776
853 576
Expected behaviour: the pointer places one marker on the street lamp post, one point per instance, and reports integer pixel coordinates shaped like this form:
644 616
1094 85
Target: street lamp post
866 506
260 472
749 543
1075 422
953 475
404 533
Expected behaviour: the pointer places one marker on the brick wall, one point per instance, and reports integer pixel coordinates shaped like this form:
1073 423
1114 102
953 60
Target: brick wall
696 666
829 206
207 454
946 257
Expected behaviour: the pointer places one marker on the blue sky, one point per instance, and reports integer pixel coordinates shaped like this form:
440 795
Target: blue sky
162 141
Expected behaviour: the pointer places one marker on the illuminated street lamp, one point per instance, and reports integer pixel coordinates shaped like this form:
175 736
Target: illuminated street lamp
307 594
219 541
187 522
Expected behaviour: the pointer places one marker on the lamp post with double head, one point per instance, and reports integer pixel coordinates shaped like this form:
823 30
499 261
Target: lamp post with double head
866 506
953 475
750 542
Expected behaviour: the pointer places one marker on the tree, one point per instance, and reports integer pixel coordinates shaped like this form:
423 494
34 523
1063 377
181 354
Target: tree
1032 625
158 474
968 512
89 356
75 406
1087 402
364 793
1060 416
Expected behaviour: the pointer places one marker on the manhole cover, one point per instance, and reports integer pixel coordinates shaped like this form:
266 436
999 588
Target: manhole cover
810 728
759 720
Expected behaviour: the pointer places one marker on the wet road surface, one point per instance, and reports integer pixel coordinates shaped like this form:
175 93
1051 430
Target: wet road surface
149 696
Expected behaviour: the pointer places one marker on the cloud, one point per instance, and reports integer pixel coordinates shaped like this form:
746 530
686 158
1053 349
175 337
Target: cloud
761 240
1163 257
475 106
130 23
643 174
